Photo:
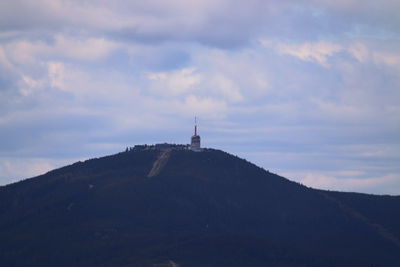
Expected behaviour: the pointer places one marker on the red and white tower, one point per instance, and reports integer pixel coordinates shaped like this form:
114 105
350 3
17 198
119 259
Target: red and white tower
195 141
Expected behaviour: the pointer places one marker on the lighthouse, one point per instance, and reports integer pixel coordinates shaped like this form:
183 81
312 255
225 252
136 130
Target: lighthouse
195 142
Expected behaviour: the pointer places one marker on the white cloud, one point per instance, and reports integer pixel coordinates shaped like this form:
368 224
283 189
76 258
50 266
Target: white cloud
83 48
12 169
56 74
359 50
174 83
390 59
4 62
349 181
318 52
189 81
227 87
234 76
24 52
377 52
204 107
340 112
90 49
30 85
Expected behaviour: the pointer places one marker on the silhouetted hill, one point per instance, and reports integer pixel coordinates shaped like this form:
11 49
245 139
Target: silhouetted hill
157 206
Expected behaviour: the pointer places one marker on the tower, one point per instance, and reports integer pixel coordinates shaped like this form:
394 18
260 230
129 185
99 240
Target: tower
195 142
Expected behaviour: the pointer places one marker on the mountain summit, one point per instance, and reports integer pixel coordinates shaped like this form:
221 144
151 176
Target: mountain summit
166 205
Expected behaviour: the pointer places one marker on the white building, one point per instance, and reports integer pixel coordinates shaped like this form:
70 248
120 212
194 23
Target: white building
195 141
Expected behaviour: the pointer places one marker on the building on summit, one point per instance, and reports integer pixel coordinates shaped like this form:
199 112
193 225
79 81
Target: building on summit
195 142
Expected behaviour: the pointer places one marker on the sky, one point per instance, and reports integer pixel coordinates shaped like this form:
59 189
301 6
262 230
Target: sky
308 89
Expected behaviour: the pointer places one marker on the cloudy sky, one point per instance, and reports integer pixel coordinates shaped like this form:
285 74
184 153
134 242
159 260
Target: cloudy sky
309 89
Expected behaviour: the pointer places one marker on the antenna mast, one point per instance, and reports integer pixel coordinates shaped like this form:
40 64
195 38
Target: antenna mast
195 126
195 140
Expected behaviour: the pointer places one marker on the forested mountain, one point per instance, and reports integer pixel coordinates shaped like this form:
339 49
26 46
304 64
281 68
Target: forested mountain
169 206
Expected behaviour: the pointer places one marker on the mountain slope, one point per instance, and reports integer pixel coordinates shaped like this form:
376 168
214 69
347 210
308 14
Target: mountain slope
166 206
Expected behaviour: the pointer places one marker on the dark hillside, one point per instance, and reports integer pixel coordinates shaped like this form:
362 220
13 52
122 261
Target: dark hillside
380 211
162 206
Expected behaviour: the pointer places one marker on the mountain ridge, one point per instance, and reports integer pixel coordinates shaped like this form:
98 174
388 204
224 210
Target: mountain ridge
205 208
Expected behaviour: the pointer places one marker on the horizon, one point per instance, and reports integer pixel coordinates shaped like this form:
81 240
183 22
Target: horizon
307 89
187 147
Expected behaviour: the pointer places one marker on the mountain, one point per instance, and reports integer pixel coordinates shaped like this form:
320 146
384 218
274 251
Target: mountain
165 205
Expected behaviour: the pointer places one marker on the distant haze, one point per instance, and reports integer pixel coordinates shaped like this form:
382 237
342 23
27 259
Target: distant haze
307 89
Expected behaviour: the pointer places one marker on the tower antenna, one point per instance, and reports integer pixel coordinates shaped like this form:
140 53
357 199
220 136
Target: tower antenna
195 125
195 141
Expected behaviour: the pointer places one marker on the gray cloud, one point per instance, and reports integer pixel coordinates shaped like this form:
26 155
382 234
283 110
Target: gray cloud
220 23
